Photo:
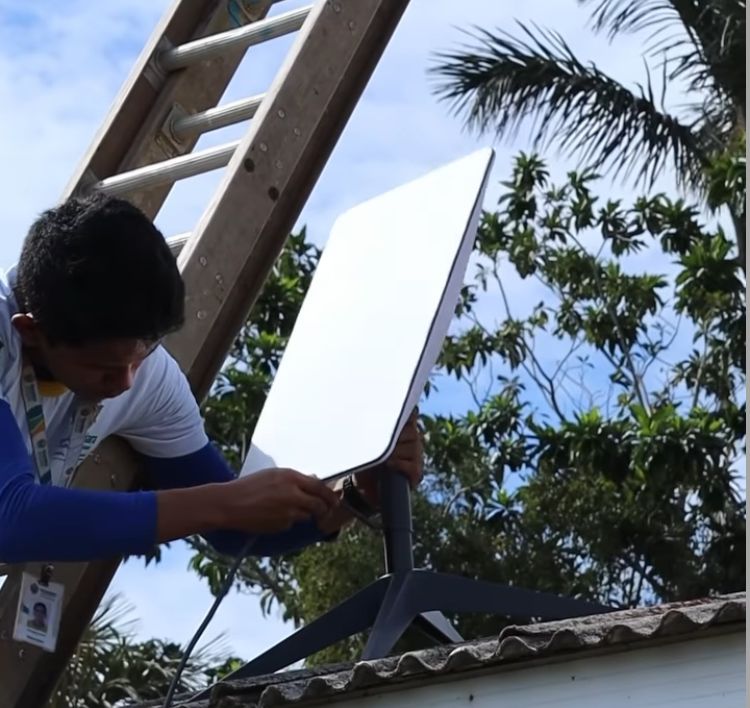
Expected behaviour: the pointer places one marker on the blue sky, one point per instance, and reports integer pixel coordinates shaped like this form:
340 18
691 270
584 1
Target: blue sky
59 72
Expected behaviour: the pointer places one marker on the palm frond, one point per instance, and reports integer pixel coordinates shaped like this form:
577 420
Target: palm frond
714 127
616 16
706 18
111 666
711 44
503 81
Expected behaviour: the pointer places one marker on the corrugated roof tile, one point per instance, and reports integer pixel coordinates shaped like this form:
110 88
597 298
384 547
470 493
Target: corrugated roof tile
514 644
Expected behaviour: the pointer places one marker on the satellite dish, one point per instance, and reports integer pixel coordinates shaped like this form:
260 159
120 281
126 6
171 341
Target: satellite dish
372 325
370 330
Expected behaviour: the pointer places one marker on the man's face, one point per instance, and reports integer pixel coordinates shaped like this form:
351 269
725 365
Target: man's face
40 613
93 371
98 370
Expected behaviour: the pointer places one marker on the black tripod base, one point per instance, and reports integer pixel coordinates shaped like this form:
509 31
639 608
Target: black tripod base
405 596
399 600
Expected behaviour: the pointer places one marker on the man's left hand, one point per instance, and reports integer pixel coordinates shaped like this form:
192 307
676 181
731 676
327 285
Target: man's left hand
406 459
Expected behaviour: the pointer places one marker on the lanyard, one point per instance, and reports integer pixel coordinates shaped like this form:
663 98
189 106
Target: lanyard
83 417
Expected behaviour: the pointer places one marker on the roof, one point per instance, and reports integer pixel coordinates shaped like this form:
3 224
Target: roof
630 629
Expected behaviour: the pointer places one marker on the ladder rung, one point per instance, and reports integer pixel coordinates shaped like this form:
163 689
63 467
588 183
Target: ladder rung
242 37
215 118
177 242
168 171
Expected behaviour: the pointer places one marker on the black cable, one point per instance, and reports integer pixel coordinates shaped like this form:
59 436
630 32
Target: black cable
225 588
373 525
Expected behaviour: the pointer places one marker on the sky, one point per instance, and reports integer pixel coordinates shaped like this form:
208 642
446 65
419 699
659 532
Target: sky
60 71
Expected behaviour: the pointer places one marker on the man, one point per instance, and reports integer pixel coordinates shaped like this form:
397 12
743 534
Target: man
81 319
38 619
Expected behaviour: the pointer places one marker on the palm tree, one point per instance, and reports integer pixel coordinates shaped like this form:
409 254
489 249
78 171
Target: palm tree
503 80
110 668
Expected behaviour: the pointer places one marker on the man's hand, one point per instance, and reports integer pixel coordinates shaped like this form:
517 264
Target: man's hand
273 500
406 459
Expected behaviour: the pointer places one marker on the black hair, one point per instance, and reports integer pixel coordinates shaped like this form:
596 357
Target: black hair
38 605
96 268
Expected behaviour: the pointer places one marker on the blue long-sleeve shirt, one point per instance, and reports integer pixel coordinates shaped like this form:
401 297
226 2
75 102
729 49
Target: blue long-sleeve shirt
48 523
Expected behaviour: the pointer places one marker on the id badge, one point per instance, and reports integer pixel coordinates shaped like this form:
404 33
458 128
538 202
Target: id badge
39 613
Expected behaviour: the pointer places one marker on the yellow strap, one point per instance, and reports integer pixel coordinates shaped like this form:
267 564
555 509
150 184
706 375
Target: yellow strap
51 389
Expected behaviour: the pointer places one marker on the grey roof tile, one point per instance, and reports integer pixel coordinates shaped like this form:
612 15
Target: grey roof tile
514 644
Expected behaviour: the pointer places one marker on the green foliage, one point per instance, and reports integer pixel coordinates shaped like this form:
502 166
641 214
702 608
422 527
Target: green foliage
111 668
595 448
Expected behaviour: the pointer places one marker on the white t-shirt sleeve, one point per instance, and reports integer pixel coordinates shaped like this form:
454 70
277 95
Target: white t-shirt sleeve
6 368
10 353
164 418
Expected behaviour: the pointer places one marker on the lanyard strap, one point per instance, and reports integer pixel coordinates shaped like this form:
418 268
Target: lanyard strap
82 419
32 403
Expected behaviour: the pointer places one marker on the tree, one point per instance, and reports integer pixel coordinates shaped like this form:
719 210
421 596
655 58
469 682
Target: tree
504 80
111 668
597 450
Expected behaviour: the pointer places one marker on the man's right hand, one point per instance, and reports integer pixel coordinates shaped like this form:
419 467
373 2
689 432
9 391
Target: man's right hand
267 501
272 500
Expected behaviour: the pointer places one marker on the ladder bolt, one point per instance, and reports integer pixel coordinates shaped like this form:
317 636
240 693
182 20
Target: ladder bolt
248 164
336 7
279 164
282 113
203 261
263 147
21 654
352 25
201 314
273 193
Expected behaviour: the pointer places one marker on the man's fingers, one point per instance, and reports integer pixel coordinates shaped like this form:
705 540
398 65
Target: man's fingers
313 486
407 451
411 469
310 504
405 463
408 435
300 515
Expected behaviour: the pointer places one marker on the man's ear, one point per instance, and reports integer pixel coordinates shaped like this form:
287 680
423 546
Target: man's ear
28 329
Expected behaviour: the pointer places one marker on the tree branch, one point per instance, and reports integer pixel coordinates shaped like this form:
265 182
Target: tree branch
549 390
637 381
699 373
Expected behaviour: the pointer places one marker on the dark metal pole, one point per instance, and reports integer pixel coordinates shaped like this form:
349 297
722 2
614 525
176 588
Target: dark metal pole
395 504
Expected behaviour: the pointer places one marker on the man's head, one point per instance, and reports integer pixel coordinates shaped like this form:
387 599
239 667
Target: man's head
97 288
